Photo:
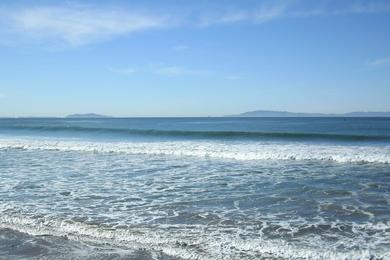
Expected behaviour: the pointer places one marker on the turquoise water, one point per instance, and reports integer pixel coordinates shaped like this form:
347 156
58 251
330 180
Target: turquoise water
195 188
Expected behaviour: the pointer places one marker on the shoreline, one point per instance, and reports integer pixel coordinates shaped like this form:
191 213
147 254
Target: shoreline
19 245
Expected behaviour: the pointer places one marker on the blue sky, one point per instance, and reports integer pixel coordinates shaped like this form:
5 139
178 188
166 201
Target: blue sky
193 58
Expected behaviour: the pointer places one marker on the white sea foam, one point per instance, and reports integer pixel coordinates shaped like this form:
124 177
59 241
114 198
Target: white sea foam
200 247
83 232
215 149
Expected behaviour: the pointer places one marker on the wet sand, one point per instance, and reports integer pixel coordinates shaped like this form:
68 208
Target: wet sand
18 245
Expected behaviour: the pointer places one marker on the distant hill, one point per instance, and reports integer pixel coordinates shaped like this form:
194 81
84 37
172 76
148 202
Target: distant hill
269 113
89 115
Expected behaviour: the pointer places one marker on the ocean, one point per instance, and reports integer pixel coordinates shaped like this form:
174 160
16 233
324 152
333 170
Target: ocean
195 188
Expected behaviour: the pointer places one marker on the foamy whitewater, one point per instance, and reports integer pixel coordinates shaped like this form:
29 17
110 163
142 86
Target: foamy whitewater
195 188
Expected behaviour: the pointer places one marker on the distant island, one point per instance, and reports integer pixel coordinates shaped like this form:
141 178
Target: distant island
89 115
270 113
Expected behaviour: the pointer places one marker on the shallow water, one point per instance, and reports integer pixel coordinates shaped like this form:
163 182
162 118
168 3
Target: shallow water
174 196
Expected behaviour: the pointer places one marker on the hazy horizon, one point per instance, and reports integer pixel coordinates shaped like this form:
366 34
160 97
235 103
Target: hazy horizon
203 58
240 114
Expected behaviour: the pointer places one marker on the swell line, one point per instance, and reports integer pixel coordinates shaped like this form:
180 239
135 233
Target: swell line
202 134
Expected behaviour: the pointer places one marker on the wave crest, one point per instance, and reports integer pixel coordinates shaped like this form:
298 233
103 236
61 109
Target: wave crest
215 149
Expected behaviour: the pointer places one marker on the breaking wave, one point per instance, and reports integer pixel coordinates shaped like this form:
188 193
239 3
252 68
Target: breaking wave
177 245
215 149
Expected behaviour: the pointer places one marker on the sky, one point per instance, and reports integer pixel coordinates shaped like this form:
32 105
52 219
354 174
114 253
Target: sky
193 58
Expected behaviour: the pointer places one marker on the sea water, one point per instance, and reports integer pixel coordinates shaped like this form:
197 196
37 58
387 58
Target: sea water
195 188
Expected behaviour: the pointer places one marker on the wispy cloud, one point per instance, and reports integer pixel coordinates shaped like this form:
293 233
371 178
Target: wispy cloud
180 47
125 71
265 12
76 25
233 77
173 71
370 7
308 13
268 11
379 62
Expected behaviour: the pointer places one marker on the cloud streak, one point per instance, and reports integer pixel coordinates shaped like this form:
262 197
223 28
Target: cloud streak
174 71
264 13
77 25
180 47
268 11
380 62
370 7
125 71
